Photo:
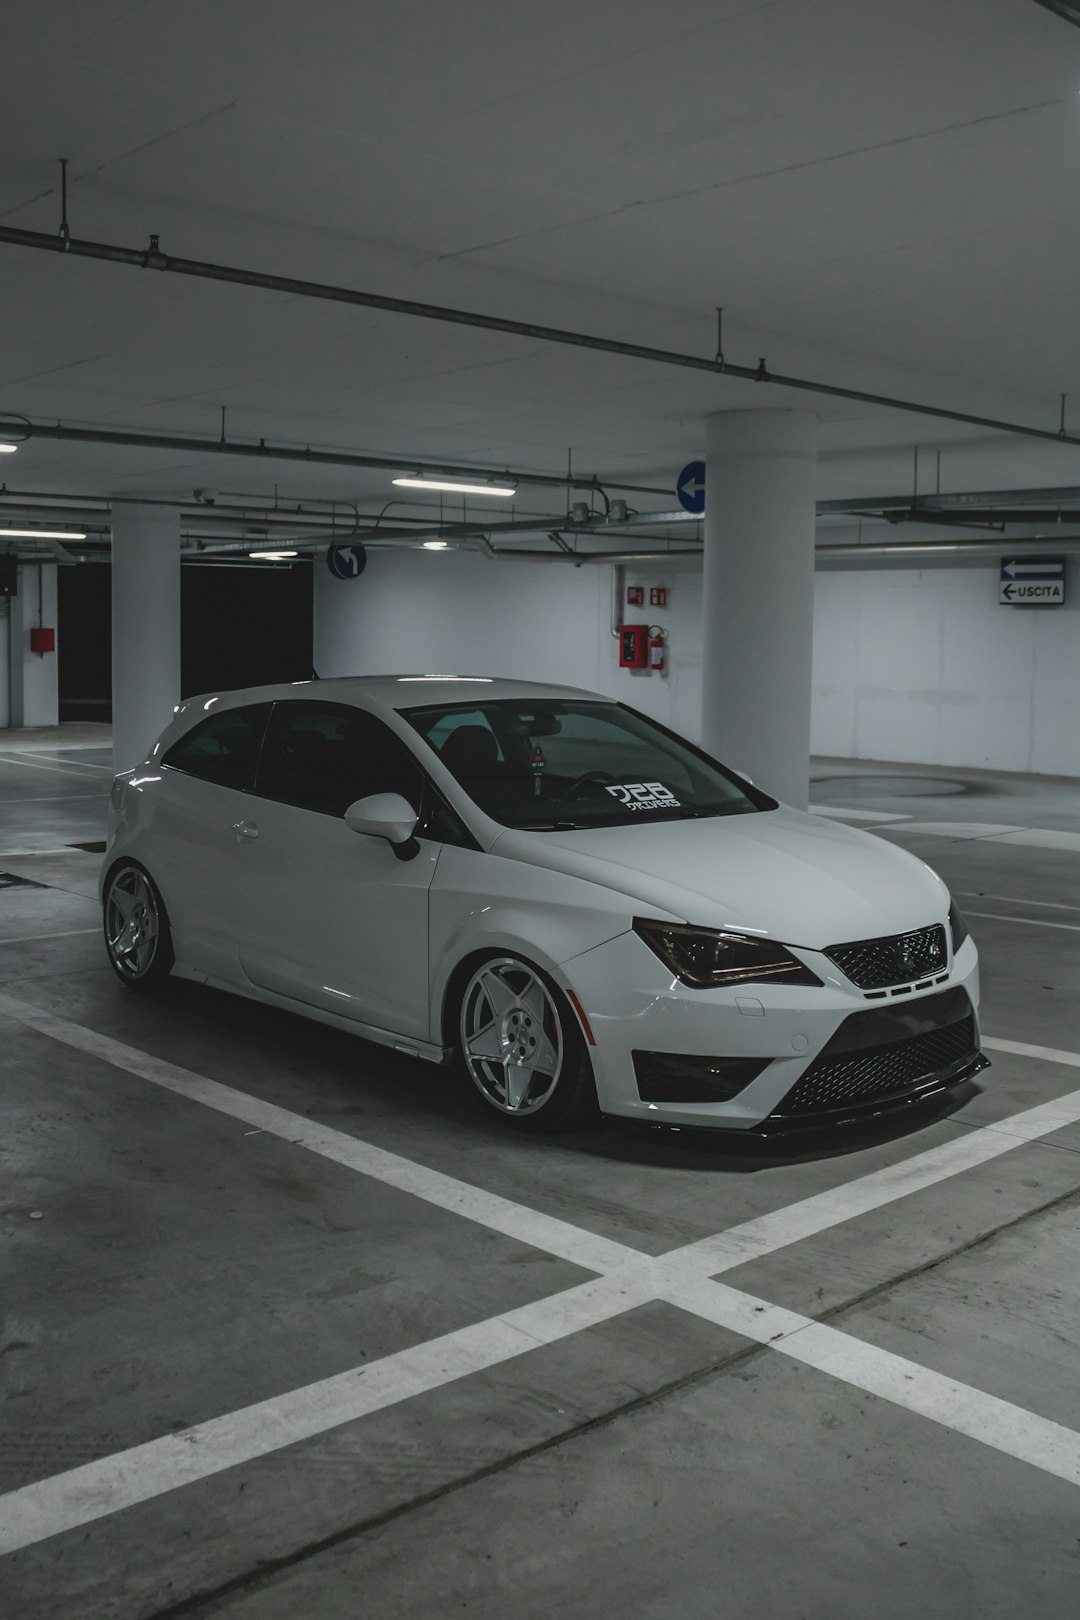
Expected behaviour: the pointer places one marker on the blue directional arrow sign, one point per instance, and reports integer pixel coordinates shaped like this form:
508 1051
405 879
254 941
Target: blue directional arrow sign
1032 581
690 487
346 562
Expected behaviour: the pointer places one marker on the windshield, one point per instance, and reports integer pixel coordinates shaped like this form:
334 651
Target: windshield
555 764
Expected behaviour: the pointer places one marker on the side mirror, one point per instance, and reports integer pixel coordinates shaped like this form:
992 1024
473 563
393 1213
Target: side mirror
389 816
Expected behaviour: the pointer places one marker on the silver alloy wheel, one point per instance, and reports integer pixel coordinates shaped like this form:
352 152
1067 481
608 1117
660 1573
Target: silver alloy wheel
511 1036
132 923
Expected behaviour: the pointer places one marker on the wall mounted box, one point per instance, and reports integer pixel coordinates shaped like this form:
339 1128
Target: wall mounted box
42 639
633 646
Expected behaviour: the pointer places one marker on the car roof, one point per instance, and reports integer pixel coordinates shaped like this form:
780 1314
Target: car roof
390 693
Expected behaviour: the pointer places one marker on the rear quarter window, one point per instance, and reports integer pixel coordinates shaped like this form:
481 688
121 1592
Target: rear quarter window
223 748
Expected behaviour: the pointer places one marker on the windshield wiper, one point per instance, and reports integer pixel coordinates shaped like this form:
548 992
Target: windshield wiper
550 826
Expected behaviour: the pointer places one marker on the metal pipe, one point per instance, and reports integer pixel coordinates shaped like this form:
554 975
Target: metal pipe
960 501
152 258
988 550
261 451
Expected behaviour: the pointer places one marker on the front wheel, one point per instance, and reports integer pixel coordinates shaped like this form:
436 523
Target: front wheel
523 1049
137 935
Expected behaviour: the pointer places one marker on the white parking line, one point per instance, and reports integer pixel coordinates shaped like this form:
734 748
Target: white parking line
1029 922
22 854
66 933
573 1243
1016 900
81 1495
61 769
13 757
847 814
999 833
968 1411
66 1501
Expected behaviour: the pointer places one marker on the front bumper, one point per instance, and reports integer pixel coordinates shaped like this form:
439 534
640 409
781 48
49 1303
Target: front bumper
780 1056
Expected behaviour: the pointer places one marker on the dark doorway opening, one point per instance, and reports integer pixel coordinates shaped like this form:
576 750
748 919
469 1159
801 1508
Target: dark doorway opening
239 626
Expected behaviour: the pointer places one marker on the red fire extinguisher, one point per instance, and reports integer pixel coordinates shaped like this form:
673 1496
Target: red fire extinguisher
656 648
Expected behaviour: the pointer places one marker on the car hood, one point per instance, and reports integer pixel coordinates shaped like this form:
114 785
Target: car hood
786 875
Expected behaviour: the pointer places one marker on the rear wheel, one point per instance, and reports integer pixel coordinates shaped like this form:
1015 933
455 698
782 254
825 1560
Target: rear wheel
137 935
523 1049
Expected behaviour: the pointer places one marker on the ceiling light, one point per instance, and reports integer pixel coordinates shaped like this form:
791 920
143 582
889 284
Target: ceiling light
42 534
7 449
436 545
273 556
456 488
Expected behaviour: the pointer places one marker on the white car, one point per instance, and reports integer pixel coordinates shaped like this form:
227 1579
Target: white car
583 909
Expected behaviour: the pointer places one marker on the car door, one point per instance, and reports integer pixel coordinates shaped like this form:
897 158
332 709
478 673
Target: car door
206 777
319 913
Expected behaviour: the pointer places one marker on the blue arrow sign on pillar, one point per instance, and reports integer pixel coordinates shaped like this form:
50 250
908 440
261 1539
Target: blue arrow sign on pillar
690 487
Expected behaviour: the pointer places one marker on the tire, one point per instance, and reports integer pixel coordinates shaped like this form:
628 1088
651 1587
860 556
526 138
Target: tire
138 939
509 1009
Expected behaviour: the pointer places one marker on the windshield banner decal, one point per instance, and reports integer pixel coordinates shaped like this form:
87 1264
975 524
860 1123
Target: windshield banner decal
644 796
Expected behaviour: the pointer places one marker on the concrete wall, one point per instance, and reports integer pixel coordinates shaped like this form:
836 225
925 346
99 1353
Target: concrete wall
909 665
927 666
28 680
441 613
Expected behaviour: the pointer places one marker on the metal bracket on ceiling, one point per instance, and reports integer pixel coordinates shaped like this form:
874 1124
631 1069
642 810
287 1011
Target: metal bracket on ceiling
1061 428
153 252
719 357
761 375
64 232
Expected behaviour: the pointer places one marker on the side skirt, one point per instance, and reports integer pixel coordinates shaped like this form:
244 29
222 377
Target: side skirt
368 1032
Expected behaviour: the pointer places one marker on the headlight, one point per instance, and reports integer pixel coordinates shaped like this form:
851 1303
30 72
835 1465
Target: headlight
957 926
705 957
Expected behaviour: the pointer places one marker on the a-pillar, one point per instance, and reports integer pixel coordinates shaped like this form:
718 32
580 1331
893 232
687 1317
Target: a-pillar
758 601
145 627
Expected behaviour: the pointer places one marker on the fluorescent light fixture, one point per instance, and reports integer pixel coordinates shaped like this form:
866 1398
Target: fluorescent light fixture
42 534
273 556
7 449
456 488
436 545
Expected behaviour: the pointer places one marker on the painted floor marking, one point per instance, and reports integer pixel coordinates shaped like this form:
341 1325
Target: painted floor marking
58 768
811 1216
23 854
628 1279
1028 922
79 1496
573 1243
1031 837
960 1407
65 933
1016 900
853 815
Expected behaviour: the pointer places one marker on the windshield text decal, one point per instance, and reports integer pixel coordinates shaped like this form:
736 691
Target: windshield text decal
644 796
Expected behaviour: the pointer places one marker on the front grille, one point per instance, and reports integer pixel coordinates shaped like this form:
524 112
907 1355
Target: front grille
872 963
879 1074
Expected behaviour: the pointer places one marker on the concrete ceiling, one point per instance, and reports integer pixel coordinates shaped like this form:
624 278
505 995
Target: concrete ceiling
881 195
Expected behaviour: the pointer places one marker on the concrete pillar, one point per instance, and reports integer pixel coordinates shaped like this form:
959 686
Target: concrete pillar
145 627
758 602
28 685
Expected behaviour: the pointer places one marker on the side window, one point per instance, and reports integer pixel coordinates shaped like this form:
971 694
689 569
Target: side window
324 756
223 748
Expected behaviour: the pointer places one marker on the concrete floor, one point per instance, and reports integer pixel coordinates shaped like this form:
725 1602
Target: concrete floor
292 1330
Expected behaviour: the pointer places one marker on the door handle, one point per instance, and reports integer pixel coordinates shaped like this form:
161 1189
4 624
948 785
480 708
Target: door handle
244 829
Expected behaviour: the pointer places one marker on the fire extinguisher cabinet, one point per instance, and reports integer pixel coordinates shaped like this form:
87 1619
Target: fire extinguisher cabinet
633 646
